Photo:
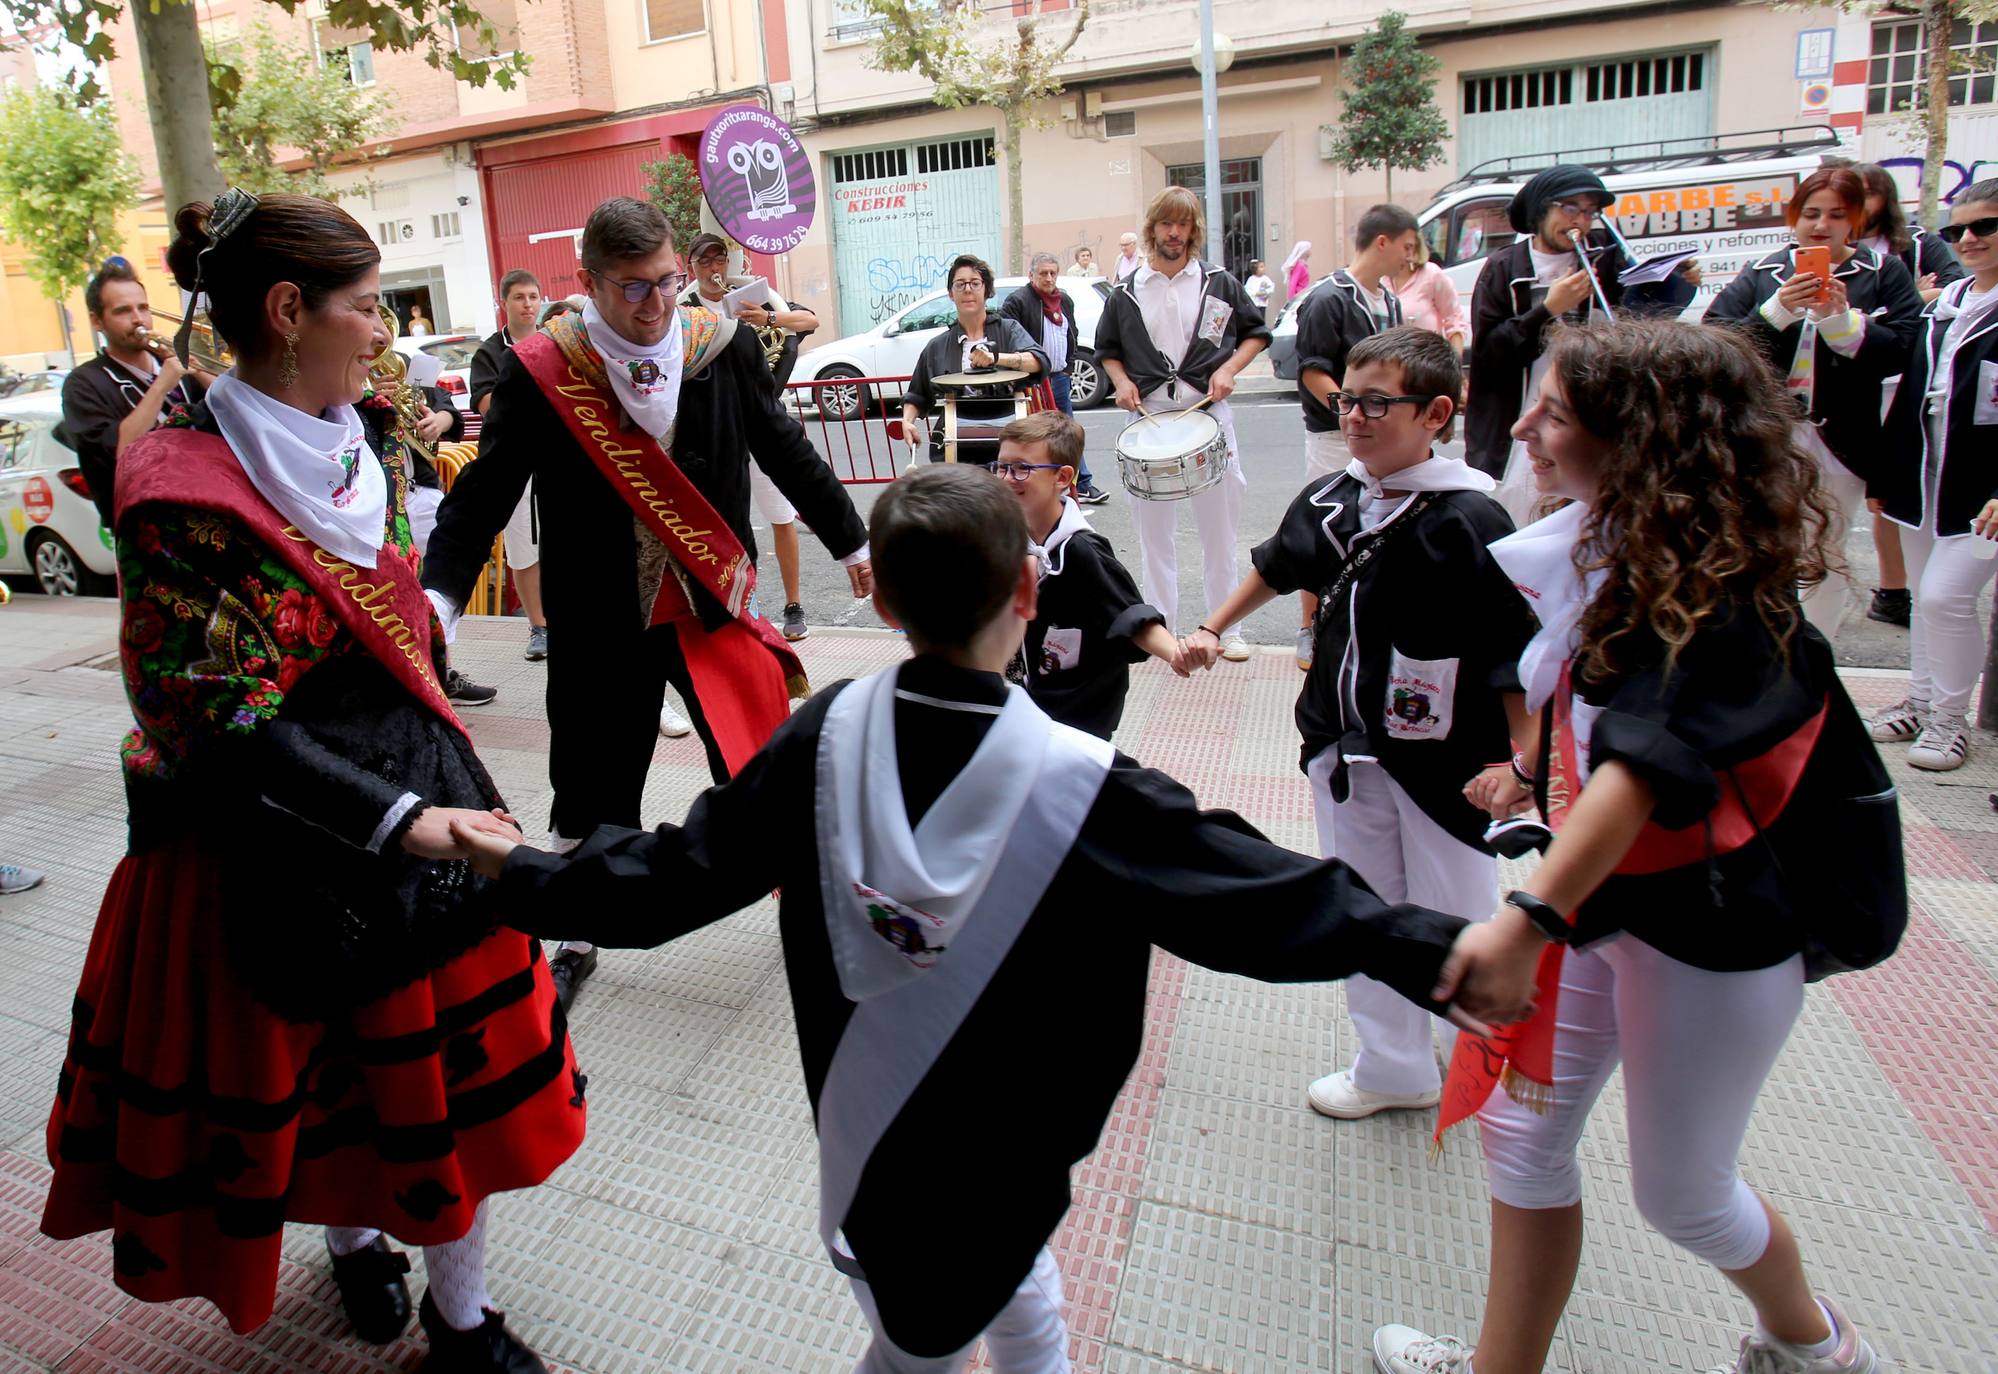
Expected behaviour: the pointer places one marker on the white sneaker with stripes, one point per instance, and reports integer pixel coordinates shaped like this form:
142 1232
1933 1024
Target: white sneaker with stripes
1943 744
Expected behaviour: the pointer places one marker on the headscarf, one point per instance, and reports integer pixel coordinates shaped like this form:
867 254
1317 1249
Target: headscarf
1530 205
1297 251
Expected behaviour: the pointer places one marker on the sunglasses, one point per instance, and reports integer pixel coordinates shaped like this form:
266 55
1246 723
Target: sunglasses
1984 228
1374 407
636 291
1020 472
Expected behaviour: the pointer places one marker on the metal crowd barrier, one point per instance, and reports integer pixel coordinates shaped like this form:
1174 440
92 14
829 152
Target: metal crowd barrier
869 448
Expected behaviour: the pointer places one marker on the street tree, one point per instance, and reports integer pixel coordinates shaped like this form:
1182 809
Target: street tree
674 185
282 102
175 66
1390 118
952 45
64 178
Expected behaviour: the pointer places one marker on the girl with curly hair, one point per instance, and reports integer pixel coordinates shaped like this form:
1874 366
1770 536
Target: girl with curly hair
1682 697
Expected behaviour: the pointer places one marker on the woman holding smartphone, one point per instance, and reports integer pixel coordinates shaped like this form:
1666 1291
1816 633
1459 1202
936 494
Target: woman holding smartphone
1837 320
1940 484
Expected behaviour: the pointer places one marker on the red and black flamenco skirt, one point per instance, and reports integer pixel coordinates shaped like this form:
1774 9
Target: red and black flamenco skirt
193 1122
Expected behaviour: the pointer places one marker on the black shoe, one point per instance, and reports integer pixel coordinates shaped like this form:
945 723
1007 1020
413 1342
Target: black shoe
1892 607
466 692
373 1291
570 971
1089 494
486 1349
795 627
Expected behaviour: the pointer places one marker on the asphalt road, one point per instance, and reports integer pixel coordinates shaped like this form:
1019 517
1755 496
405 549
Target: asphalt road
1270 431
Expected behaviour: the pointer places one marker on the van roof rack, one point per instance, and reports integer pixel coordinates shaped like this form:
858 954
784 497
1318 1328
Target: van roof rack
1752 145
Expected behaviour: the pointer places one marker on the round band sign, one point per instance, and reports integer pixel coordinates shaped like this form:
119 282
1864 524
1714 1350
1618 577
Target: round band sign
757 179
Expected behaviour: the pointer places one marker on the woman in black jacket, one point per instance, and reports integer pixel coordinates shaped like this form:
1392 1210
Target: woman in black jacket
1940 484
1835 345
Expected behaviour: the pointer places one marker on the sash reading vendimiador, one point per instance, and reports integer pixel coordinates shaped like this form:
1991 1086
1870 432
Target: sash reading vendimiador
749 700
383 607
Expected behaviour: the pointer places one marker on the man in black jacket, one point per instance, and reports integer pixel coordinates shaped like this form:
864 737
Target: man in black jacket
1174 333
606 686
127 389
1047 313
520 312
1525 287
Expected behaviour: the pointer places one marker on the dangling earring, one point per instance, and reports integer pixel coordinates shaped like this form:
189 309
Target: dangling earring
288 364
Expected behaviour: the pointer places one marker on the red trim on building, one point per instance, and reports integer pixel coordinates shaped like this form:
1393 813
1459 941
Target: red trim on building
678 131
1849 73
1852 119
776 42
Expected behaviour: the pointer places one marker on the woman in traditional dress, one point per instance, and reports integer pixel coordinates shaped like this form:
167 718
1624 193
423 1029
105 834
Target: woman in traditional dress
295 1007
1698 762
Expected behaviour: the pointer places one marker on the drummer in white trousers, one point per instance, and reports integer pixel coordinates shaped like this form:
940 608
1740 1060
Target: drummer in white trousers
1175 333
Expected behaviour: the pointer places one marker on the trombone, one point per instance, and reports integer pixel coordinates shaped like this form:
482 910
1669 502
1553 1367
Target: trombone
206 349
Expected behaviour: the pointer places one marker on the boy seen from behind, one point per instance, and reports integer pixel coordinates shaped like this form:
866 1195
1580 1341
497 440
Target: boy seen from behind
957 867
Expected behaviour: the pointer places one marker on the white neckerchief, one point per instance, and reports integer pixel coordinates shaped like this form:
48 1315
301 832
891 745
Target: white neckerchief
1434 473
320 473
1963 310
645 378
1540 560
1072 521
896 896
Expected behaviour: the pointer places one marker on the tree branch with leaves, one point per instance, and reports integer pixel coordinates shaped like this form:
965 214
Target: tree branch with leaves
953 45
1390 119
277 104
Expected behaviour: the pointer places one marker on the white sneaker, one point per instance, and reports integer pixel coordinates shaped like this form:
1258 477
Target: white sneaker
1404 1350
1764 1354
1943 744
1335 1095
672 724
14 878
1901 721
1234 648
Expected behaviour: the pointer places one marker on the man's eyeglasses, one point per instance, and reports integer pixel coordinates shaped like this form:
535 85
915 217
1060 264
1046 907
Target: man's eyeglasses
1984 228
1374 407
1586 208
1020 472
975 284
636 291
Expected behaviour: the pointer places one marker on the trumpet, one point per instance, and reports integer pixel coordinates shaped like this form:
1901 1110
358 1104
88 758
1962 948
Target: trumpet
206 350
390 373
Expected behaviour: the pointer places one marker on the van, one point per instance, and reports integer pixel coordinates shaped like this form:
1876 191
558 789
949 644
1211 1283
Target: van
1723 194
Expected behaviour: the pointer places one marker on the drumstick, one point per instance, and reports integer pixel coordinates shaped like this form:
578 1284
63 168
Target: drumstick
1199 404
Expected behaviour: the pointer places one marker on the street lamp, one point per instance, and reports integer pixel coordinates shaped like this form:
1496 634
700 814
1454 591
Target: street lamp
1214 54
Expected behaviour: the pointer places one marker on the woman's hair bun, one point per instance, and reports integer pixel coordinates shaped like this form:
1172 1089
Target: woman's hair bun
189 239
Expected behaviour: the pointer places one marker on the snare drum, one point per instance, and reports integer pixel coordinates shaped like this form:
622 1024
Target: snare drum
1171 456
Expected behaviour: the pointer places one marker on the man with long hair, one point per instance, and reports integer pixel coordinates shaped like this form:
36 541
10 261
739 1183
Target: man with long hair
1176 334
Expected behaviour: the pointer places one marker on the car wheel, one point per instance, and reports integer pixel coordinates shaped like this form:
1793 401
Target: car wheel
59 572
1085 386
841 402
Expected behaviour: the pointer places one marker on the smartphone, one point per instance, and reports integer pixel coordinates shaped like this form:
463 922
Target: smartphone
1815 262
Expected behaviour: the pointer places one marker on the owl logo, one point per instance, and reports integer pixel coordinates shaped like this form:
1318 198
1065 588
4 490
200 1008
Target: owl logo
761 167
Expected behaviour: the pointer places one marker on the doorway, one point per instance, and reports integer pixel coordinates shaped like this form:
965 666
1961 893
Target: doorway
1241 206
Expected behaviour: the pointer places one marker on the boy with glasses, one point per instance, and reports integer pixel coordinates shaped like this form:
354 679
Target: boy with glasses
1091 625
1524 288
1412 692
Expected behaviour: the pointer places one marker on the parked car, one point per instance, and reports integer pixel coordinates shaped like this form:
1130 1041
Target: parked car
1722 194
455 352
49 529
27 383
890 348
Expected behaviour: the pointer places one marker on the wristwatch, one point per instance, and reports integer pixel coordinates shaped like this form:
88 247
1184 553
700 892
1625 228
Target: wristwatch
1545 918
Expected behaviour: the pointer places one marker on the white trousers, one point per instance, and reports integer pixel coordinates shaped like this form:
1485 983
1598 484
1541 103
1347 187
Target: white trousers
423 504
1946 637
771 504
1218 513
1325 454
1404 857
521 549
1695 1046
1029 1336
1825 603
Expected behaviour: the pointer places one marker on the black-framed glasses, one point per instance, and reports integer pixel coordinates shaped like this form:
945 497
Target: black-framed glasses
974 284
1374 407
668 286
1984 228
1020 472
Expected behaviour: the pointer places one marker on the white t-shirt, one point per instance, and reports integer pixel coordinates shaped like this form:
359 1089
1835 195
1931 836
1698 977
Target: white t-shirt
1170 307
1260 289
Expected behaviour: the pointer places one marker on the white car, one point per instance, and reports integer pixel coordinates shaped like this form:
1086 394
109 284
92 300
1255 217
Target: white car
890 348
455 352
49 528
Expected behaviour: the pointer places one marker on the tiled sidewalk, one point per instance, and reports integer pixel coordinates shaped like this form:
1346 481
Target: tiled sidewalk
1222 1226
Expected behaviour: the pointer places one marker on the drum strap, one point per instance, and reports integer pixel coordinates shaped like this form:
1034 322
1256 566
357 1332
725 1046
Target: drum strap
1363 554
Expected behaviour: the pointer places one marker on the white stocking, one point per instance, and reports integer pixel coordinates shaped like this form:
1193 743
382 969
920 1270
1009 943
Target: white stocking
458 1276
345 1240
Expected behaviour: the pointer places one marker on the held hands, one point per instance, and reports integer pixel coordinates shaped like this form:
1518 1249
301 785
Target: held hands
485 845
1197 650
1491 970
438 831
1569 292
1496 791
